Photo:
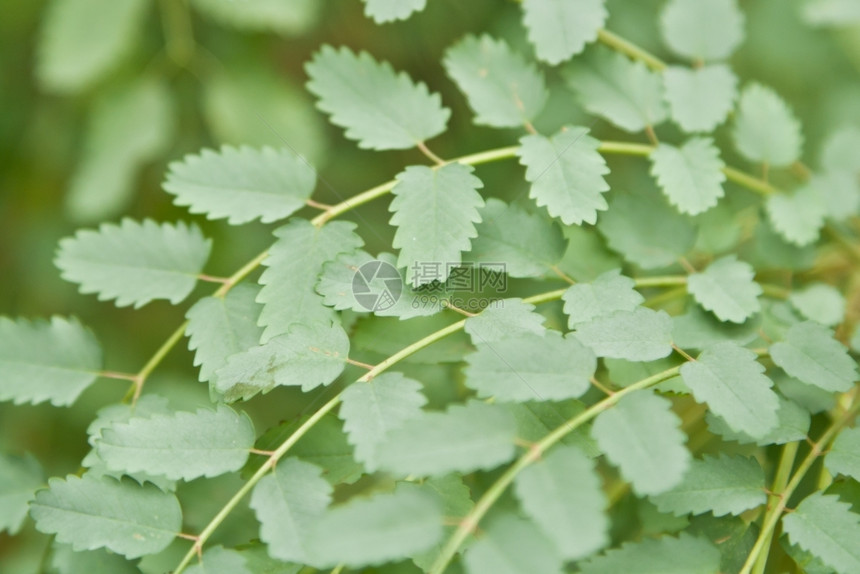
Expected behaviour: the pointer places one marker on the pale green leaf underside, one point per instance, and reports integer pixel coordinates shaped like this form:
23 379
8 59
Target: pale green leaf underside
377 107
560 29
562 493
798 216
724 484
702 29
19 479
638 335
383 11
566 174
46 361
820 302
665 555
134 262
729 379
727 288
765 129
512 545
610 292
825 526
288 17
844 455
182 445
503 319
463 439
641 435
372 409
502 87
91 513
242 184
700 99
690 176
530 367
811 354
435 211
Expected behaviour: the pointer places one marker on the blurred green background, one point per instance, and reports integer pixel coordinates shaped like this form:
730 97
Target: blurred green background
186 78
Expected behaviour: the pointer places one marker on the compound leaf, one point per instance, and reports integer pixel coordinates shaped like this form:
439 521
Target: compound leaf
383 11
512 545
610 292
530 367
702 29
566 174
287 503
733 383
435 211
182 445
90 513
844 455
502 88
700 99
691 176
133 262
507 318
378 107
371 409
294 264
811 354
666 555
19 479
723 484
46 361
465 438
765 129
825 526
624 92
638 335
562 493
560 29
242 184
727 289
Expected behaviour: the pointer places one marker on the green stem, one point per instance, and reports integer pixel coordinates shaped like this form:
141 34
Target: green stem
178 36
662 281
619 44
471 521
783 473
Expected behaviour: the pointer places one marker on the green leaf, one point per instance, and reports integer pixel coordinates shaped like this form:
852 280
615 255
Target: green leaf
435 211
372 409
729 379
295 262
797 217
611 292
378 529
288 502
504 319
535 420
529 367
65 560
831 13
702 29
651 466
378 108
587 256
465 438
691 176
699 329
91 513
503 88
219 327
566 174
665 555
826 527
383 11
765 128
811 354
727 288
220 560
128 127
242 184
722 484
837 152
181 445
624 92
646 230
792 425
562 493
82 40
639 335
844 455
512 545
700 99
560 29
306 356
526 243
19 479
820 302
290 17
133 262
46 361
